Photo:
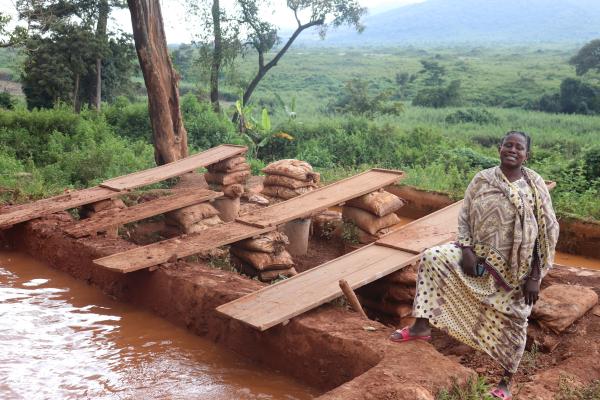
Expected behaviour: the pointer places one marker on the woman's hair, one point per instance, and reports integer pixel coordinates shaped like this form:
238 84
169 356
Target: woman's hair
526 136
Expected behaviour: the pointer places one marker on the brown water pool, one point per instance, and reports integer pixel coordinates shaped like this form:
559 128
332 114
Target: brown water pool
63 339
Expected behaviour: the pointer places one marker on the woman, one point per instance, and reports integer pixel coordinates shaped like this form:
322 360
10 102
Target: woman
481 289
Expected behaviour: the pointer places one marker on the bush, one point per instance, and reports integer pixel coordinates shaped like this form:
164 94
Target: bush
6 101
472 115
439 97
206 128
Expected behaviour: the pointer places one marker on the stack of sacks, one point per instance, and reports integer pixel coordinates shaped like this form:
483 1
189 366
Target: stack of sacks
105 207
392 295
194 218
264 257
228 172
289 178
373 214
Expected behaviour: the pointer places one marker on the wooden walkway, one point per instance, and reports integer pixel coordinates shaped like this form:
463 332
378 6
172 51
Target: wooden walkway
180 167
181 246
286 299
105 219
251 224
322 198
112 188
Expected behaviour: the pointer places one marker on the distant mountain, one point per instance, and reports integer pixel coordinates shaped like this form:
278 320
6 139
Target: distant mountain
476 21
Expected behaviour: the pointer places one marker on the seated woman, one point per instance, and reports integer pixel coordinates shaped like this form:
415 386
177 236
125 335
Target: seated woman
481 289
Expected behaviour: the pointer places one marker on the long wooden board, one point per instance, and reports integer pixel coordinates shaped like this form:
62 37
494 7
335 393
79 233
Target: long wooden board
286 299
436 228
25 212
180 167
322 198
106 219
181 246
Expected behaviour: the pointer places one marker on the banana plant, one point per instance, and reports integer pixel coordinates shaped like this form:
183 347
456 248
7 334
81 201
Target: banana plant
258 134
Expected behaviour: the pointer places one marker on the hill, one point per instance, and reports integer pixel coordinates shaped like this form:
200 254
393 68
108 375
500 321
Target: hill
476 21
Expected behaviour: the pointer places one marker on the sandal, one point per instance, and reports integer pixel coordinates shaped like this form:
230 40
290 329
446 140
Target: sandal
500 394
403 335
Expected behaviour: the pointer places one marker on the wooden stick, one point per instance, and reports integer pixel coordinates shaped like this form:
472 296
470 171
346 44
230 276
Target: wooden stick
352 299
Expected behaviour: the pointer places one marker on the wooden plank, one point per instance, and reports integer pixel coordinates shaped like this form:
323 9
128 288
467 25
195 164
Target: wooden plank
322 198
286 299
109 218
434 229
180 167
16 214
182 246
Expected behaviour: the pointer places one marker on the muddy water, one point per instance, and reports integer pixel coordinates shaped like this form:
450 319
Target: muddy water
62 339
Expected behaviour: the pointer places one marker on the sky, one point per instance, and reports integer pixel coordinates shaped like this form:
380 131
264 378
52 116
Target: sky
178 30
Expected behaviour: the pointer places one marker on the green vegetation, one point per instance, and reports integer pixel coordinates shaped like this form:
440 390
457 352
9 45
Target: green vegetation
440 148
474 389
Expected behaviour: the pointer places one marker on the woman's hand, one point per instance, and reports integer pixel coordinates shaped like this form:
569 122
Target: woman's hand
469 261
531 291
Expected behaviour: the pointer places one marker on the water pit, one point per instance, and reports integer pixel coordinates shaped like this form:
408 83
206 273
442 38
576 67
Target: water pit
61 338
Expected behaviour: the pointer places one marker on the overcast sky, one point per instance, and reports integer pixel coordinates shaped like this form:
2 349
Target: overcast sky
178 30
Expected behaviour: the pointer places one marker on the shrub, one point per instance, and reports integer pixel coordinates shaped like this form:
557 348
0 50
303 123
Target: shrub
472 115
6 101
439 97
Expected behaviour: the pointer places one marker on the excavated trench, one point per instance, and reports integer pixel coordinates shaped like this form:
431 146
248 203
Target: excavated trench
329 349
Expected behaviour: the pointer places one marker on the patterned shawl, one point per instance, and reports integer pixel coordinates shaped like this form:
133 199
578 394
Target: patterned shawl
504 228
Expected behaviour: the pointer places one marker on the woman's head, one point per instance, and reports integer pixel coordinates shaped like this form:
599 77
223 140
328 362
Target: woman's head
514 149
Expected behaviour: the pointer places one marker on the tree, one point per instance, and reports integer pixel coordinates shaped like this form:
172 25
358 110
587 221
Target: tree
65 54
434 73
587 58
263 35
10 38
162 82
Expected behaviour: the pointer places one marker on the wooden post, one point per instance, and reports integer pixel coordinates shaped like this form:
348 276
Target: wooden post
352 299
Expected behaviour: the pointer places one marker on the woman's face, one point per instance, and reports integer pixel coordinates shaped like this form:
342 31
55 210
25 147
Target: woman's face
513 151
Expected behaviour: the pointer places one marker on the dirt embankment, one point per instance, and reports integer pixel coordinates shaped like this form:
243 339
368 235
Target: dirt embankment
327 348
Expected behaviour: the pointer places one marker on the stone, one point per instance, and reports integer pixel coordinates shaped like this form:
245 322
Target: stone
559 306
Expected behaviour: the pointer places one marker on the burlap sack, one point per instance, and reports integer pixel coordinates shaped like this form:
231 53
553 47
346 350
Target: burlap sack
401 294
204 224
233 191
326 223
367 221
365 237
406 276
187 216
285 193
280 180
226 179
263 261
387 307
228 165
380 203
300 170
272 242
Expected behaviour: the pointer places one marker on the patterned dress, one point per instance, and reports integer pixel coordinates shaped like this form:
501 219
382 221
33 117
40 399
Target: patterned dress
503 222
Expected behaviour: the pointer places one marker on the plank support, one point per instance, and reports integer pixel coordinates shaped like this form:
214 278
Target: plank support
352 299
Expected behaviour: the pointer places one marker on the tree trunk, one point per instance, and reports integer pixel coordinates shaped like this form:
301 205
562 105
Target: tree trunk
76 102
169 134
96 92
217 56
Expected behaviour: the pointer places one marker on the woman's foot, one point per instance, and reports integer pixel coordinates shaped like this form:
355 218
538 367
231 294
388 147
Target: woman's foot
404 335
502 390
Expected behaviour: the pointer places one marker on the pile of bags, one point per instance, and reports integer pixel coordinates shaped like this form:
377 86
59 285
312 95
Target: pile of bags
373 214
264 257
194 218
392 295
289 178
232 171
